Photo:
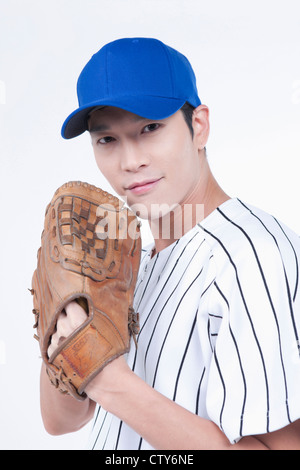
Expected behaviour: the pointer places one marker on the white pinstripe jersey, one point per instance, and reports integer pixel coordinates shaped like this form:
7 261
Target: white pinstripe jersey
220 326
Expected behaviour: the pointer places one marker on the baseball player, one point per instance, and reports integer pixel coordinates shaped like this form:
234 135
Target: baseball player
217 362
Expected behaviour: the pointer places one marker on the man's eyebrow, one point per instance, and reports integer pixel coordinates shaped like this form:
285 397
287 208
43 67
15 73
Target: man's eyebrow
105 127
99 128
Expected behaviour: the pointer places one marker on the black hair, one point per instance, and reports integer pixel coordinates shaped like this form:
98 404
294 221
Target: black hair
187 110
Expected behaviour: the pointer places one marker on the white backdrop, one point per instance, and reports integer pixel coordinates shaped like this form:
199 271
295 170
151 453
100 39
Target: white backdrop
246 58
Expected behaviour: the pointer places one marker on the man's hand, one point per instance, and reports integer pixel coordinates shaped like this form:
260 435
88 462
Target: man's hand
68 321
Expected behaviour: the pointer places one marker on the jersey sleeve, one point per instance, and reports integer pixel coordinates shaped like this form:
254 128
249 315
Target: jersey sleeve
254 373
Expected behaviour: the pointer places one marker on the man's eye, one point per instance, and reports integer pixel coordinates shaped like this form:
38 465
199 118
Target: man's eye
106 140
151 127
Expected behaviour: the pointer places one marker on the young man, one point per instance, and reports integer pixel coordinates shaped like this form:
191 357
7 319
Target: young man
217 364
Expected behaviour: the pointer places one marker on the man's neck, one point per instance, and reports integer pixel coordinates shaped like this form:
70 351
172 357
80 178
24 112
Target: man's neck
202 200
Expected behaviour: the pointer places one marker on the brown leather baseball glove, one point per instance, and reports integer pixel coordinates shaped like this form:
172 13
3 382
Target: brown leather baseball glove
90 251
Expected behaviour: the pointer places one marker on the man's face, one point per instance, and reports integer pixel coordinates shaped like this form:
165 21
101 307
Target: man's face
149 163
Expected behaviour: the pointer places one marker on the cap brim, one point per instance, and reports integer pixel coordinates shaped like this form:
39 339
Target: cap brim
149 107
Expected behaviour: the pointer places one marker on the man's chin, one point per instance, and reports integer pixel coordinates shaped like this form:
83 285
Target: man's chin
153 212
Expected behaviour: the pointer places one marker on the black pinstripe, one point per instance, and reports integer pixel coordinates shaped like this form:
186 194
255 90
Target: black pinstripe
188 284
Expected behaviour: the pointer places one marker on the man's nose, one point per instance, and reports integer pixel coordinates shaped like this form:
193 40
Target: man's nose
133 157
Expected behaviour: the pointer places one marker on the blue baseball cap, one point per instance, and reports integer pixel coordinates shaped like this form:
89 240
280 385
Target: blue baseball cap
140 75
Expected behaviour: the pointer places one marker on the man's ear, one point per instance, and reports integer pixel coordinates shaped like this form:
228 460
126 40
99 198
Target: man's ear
201 125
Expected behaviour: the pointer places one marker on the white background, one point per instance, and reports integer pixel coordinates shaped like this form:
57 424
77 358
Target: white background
246 58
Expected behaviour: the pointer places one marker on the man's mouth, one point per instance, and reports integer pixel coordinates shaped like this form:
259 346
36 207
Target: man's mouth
141 187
